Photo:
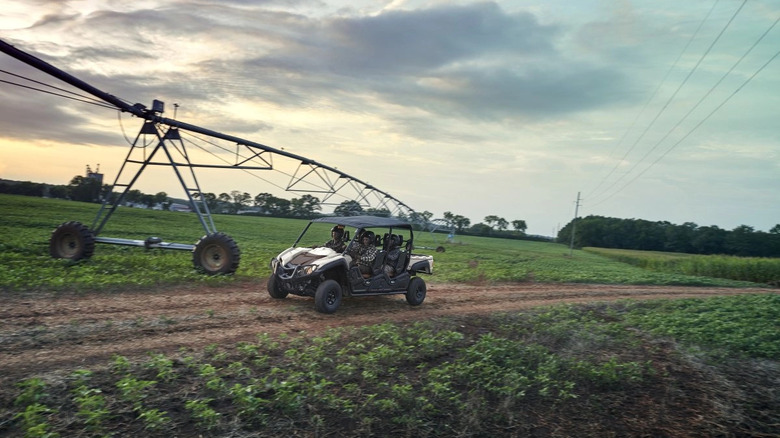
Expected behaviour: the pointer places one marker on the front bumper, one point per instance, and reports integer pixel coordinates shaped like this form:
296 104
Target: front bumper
293 280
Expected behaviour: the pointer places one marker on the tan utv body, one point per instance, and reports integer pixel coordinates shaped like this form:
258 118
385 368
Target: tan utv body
311 269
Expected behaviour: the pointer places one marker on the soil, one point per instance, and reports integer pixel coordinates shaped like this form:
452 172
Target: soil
44 333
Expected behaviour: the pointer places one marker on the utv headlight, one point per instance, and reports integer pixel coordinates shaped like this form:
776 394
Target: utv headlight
304 270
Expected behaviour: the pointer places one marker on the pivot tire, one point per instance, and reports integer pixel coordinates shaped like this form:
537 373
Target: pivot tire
72 240
216 254
274 290
328 296
415 293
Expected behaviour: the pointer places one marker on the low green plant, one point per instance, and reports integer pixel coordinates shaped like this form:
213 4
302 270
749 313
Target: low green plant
33 391
202 413
474 375
154 419
162 365
120 364
744 325
34 422
133 390
91 407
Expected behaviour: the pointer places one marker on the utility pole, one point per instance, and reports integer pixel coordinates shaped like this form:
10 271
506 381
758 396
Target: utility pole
574 224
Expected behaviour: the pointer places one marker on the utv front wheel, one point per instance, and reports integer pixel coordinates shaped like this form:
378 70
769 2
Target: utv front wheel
215 254
274 290
415 293
72 240
328 296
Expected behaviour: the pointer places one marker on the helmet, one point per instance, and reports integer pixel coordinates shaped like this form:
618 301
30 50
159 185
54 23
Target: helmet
339 230
369 234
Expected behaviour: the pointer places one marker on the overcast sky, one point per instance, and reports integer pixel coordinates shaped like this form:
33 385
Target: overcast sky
656 110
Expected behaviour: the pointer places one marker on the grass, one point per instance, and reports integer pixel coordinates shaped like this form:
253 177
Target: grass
27 223
694 367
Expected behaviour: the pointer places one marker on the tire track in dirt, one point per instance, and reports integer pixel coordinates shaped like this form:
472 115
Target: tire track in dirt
42 333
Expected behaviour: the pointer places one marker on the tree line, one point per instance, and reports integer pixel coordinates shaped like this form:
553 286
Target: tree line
88 189
690 238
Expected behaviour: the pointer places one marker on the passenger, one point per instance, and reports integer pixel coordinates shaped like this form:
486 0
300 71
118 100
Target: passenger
336 243
393 253
365 253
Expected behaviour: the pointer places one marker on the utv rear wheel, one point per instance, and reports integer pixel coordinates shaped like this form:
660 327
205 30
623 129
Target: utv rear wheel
415 293
215 254
328 296
72 240
274 290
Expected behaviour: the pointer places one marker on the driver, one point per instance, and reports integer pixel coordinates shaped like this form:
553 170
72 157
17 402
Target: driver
336 242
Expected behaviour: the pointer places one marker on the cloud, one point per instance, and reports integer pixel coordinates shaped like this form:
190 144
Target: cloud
530 98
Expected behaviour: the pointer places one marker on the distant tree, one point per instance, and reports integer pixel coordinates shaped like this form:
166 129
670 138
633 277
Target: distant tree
239 200
448 217
775 229
381 212
84 189
742 241
709 240
134 196
261 199
490 220
519 226
481 228
460 222
211 200
305 206
59 192
160 198
679 238
501 224
147 200
278 206
421 219
225 203
348 208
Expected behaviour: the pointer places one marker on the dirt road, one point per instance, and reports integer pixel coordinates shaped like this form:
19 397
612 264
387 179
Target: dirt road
45 333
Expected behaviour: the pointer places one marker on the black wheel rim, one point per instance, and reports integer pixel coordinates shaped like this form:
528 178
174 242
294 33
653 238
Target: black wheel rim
331 298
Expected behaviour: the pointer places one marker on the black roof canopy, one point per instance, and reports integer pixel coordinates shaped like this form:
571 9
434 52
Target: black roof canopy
364 221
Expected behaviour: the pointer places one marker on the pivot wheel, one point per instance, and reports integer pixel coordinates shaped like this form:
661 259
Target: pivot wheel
216 254
415 293
328 296
72 240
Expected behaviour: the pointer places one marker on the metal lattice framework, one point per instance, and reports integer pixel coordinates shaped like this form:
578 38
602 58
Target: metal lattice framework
170 146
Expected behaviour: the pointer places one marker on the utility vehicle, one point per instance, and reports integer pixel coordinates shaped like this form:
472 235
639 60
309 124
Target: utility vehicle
311 269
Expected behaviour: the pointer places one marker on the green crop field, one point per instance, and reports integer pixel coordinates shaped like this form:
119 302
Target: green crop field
755 269
27 222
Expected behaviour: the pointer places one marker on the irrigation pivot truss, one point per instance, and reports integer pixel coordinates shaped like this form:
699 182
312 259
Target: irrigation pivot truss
163 141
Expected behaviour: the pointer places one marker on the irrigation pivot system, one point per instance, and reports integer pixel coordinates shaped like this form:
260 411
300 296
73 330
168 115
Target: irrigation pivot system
161 142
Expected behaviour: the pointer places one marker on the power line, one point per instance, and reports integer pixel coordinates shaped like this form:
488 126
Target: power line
83 100
655 92
690 73
708 116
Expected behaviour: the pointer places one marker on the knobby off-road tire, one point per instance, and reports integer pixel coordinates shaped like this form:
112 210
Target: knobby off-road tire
274 290
72 240
216 254
328 296
415 293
